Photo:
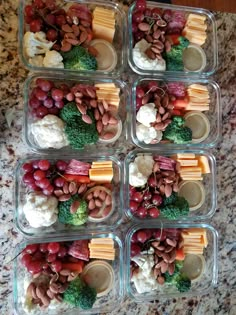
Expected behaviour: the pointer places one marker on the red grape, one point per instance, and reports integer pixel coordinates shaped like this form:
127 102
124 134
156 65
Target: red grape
146 203
27 167
140 5
43 183
60 20
62 252
56 265
57 95
61 165
40 94
156 199
45 265
31 249
156 12
59 104
28 178
33 187
159 234
51 34
53 111
35 267
153 86
50 19
138 103
28 19
137 17
133 205
140 92
38 256
147 195
138 36
34 102
39 4
152 181
41 111
26 259
36 25
48 190
134 238
51 4
44 85
48 102
60 12
35 164
142 236
29 11
148 12
43 247
142 212
134 27
51 257
38 175
154 212
134 250
53 247
138 196
44 165
59 182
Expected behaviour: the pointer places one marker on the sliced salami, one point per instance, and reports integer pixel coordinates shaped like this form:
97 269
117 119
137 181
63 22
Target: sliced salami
77 168
80 250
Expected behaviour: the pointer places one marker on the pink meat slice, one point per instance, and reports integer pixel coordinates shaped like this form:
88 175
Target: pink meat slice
77 168
80 250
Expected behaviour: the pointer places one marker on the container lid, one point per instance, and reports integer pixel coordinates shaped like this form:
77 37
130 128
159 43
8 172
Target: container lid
107 56
116 129
199 124
194 266
193 192
99 275
194 58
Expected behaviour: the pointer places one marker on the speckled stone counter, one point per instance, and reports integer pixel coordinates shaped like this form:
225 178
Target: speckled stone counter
221 300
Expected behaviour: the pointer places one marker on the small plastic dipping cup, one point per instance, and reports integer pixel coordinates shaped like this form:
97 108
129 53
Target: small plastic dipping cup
199 124
194 266
193 192
194 58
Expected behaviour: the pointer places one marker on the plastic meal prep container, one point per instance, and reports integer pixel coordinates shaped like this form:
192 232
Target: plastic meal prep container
201 286
207 208
105 303
59 229
70 80
119 41
214 114
210 46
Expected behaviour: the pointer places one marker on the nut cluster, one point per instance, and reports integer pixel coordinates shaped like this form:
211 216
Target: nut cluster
99 199
43 292
70 189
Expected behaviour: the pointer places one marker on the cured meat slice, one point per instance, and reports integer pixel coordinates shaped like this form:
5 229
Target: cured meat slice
177 89
80 250
77 168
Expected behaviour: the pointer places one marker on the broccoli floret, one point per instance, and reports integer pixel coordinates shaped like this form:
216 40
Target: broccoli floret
169 200
78 58
178 209
182 283
176 132
77 218
80 294
174 58
77 131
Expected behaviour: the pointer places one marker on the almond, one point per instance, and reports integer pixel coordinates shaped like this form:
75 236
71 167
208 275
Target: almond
170 242
64 197
82 109
72 41
91 204
76 30
78 100
74 206
99 126
96 114
101 108
105 105
145 99
98 203
66 28
168 191
93 51
65 272
86 119
58 192
66 47
83 36
149 38
66 188
113 121
108 200
82 189
70 97
93 103
156 34
108 135
85 23
50 294
162 110
105 119
144 27
31 290
91 92
40 292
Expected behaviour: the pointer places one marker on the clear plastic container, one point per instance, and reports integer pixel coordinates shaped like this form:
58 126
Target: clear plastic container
119 41
214 114
70 80
57 229
201 286
104 303
210 46
208 207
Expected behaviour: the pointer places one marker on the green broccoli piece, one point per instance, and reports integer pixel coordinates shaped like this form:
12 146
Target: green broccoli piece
178 209
78 58
80 294
182 283
176 132
169 200
77 131
174 58
77 218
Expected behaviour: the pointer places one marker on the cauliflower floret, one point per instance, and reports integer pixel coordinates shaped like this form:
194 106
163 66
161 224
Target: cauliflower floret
36 43
147 114
49 132
40 210
148 134
140 170
53 59
36 61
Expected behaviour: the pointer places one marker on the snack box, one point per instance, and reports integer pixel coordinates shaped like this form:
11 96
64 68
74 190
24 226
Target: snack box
72 113
80 37
152 54
178 260
77 264
155 103
53 195
172 185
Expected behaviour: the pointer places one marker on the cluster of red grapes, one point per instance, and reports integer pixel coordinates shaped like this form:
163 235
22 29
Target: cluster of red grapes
145 92
40 176
46 99
45 257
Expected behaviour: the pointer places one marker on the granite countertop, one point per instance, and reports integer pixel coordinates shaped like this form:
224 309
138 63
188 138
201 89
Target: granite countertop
221 300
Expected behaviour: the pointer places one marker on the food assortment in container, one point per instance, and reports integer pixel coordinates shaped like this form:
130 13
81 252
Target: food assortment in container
170 185
74 114
170 260
68 194
82 37
69 275
169 113
171 39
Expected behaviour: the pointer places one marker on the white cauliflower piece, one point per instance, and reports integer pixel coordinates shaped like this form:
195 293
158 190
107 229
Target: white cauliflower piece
148 134
49 132
36 61
147 114
40 210
140 170
53 59
36 43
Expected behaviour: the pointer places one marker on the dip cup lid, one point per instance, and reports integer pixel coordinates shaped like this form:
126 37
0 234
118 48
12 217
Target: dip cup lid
193 192
194 266
194 58
199 124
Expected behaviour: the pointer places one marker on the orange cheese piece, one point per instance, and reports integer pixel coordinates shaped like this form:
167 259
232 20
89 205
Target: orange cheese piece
102 248
204 164
103 24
